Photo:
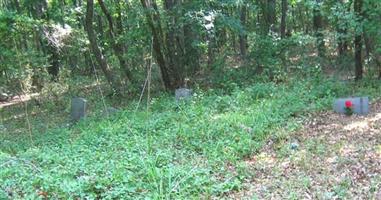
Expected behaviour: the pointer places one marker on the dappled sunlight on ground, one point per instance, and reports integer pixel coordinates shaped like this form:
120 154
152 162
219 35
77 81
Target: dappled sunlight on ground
40 111
365 124
22 116
263 158
357 126
338 157
347 150
378 151
18 99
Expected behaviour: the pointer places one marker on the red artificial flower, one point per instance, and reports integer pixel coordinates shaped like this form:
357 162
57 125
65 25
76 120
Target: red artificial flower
348 104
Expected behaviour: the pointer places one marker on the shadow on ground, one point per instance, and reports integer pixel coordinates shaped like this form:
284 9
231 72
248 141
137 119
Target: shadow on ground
337 157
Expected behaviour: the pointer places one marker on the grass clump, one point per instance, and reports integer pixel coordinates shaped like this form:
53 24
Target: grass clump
190 150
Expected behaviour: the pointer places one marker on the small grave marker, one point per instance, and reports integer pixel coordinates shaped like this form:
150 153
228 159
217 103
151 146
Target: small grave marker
4 96
110 111
183 94
360 105
2 127
78 109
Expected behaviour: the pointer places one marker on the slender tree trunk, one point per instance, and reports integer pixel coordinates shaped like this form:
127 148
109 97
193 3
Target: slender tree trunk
271 15
96 50
17 5
243 35
378 61
116 46
358 42
191 53
99 27
120 30
368 40
89 62
368 43
153 20
62 10
342 31
54 58
24 37
211 49
301 19
318 26
342 43
221 37
283 19
119 21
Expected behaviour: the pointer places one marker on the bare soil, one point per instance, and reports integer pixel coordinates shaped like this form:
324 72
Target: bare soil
332 157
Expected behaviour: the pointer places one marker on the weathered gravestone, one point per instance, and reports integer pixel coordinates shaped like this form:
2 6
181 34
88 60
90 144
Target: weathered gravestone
4 96
2 128
110 111
78 109
183 94
360 105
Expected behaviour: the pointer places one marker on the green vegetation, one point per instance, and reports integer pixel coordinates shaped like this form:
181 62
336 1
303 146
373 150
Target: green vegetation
191 150
258 70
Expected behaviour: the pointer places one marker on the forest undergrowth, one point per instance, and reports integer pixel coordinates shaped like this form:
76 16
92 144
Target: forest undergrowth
194 149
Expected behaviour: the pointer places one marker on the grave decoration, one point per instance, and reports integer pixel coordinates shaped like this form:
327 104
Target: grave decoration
352 105
348 107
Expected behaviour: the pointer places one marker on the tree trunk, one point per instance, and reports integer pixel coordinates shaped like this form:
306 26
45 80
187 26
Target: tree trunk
100 27
152 16
120 30
39 11
271 15
96 50
378 61
243 35
211 49
174 54
294 16
191 53
116 46
358 42
368 43
54 67
318 27
283 19
342 31
24 37
342 43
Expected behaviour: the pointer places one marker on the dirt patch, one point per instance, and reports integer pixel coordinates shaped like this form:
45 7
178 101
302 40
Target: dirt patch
17 100
331 157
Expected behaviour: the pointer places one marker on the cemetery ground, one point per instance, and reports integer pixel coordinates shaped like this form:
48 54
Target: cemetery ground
337 157
262 140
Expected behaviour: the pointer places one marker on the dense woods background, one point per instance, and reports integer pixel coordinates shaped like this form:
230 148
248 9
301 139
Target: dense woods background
50 41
